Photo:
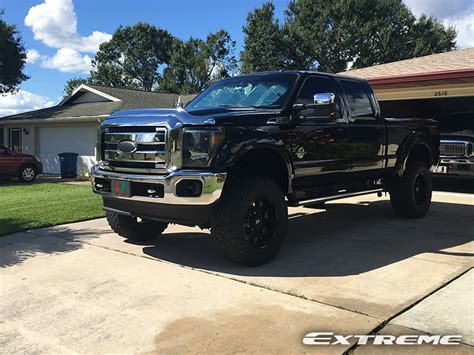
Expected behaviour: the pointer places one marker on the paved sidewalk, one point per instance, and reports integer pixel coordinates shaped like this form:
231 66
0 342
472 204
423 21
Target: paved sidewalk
348 269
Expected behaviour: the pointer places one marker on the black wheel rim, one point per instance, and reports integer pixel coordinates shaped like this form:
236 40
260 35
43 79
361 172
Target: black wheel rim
260 222
420 190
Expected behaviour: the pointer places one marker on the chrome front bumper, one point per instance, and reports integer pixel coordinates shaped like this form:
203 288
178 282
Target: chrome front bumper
212 185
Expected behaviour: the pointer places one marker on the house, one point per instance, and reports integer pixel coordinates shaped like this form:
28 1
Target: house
71 125
437 85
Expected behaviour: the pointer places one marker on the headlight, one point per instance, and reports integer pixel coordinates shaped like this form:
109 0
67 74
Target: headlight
200 145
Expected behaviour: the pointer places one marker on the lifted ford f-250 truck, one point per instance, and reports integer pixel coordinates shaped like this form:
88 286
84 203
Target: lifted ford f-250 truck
247 147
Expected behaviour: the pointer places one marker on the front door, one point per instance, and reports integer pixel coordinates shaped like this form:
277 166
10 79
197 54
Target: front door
15 139
319 147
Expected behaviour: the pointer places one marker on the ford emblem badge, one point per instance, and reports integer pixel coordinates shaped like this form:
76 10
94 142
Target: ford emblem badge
126 146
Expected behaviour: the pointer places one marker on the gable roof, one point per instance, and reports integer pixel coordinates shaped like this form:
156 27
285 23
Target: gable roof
459 60
107 100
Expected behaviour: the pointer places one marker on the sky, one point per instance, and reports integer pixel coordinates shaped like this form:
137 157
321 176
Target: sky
62 36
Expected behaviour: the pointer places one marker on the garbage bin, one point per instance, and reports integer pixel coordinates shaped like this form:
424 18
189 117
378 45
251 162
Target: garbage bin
68 164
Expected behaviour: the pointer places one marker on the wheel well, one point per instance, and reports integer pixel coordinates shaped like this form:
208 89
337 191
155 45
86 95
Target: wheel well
420 152
264 163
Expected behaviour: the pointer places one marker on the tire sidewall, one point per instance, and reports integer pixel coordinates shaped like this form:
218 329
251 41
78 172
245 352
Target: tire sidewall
236 204
402 194
281 215
421 170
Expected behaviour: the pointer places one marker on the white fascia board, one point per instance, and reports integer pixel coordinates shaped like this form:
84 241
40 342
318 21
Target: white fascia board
92 90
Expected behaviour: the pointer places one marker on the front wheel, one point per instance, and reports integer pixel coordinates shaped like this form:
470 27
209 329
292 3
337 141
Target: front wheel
250 221
133 229
411 195
27 173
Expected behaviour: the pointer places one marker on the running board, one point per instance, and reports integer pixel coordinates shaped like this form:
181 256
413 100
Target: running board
337 197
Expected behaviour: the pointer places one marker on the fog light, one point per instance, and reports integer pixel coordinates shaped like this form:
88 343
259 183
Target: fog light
102 185
189 188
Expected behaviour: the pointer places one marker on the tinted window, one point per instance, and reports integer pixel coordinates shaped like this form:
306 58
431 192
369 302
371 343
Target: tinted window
317 85
358 98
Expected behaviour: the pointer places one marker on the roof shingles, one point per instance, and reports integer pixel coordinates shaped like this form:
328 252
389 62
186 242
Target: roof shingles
130 99
455 60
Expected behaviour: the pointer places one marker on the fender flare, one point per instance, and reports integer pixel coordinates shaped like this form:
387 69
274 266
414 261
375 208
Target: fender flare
406 149
251 140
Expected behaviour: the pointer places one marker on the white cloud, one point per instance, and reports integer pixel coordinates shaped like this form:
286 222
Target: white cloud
68 60
32 56
54 22
439 8
465 28
22 101
458 13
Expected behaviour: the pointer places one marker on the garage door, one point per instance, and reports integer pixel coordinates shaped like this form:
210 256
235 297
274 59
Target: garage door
55 140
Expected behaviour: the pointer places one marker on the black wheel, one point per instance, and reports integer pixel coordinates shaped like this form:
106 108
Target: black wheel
27 173
133 229
411 195
250 221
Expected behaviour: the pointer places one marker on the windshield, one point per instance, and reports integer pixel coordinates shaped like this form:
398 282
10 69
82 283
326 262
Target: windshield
265 91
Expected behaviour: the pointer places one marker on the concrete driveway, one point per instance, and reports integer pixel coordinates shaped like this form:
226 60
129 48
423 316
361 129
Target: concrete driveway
351 268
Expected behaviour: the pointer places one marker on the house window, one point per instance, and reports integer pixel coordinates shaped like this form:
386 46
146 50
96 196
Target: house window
15 139
1 136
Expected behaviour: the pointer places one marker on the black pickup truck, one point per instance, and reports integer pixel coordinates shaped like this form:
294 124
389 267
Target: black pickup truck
249 146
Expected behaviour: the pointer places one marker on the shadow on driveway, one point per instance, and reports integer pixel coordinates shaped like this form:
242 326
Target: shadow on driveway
17 248
343 239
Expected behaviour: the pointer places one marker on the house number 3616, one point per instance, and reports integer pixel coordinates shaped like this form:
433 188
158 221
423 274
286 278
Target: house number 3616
441 93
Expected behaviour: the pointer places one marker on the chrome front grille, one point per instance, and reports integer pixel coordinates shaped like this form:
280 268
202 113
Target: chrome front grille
149 148
453 148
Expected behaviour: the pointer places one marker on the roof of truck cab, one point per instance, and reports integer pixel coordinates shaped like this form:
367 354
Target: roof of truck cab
299 72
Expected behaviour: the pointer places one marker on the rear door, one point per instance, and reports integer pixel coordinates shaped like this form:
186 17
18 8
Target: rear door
319 146
365 130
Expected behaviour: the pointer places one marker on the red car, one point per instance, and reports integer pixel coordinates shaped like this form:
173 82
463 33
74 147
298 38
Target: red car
24 166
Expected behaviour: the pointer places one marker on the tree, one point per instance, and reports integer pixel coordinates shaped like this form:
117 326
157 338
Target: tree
132 57
331 35
264 45
430 36
73 83
196 63
12 58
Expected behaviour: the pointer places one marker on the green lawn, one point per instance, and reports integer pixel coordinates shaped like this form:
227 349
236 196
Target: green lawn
37 205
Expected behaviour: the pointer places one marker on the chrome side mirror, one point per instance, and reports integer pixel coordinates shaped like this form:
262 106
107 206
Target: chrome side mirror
324 98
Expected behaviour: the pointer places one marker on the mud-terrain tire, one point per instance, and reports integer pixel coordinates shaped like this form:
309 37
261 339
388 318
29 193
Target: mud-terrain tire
27 173
131 228
411 195
250 221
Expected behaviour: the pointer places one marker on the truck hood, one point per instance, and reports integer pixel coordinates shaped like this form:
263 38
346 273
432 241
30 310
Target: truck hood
180 117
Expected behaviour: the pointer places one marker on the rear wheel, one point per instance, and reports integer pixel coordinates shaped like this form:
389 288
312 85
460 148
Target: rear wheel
134 229
411 195
27 173
250 221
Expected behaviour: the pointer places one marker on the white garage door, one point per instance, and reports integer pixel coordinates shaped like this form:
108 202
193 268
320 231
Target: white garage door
55 140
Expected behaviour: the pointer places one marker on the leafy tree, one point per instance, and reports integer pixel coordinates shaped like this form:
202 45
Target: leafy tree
264 45
132 57
73 83
330 35
196 63
430 36
12 58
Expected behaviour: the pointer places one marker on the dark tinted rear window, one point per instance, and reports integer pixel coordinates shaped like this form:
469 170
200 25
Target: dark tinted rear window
358 98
